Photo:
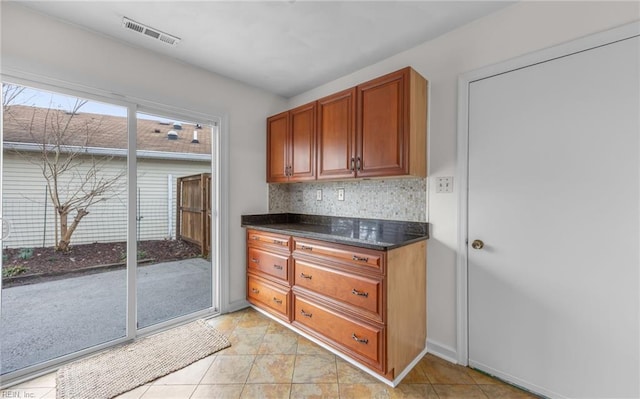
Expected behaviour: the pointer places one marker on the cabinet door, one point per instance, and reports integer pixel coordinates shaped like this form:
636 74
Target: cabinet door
336 135
383 126
362 341
302 159
268 264
358 293
277 147
273 298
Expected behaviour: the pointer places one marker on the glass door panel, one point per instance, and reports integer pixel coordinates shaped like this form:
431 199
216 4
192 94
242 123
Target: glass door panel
173 224
64 226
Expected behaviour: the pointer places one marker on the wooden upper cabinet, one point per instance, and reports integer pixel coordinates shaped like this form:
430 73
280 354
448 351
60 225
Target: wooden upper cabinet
376 129
336 135
391 125
302 158
277 148
291 138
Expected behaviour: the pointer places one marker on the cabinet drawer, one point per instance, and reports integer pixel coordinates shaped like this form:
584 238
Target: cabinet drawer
361 292
359 340
273 241
269 263
268 296
369 259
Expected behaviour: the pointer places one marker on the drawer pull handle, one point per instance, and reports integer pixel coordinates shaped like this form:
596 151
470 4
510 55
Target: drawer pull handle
276 300
255 238
255 290
306 248
360 258
277 267
307 276
360 340
360 293
279 242
254 260
305 314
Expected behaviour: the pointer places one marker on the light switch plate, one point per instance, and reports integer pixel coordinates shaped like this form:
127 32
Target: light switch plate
341 194
444 184
319 195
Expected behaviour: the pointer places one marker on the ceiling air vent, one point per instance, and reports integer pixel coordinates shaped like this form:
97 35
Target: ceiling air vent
149 31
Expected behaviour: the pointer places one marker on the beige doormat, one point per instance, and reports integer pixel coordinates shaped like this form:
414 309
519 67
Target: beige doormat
123 368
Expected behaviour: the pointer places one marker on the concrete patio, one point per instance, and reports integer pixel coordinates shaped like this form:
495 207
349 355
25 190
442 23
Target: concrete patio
43 321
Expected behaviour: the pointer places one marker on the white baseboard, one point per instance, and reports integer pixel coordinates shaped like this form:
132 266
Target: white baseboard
236 305
512 380
408 369
442 351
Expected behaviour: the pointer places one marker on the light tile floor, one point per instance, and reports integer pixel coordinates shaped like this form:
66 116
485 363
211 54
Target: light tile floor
267 360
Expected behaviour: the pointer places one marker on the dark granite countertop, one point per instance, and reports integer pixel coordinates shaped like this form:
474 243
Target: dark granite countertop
366 233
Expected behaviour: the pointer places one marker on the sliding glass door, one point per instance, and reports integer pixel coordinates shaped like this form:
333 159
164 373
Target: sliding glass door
173 224
64 202
75 197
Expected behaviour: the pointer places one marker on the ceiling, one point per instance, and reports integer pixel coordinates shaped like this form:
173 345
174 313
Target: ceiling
283 47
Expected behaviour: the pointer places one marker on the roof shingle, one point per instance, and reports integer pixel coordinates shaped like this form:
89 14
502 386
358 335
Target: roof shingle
24 124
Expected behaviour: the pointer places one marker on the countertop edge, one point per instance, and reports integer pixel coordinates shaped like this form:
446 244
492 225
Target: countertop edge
333 238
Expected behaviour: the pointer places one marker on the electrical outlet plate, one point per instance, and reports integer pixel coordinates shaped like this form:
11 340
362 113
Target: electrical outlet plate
319 195
444 184
341 194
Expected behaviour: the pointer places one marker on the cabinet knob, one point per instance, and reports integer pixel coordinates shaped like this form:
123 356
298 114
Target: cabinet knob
360 258
477 244
360 293
360 340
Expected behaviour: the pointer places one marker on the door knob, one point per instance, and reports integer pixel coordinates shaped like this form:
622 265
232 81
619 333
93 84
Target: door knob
477 244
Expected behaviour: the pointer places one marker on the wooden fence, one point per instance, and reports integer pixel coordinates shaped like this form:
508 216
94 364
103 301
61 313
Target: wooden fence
193 214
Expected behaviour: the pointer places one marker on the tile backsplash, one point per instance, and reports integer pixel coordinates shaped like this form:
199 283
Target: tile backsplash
392 199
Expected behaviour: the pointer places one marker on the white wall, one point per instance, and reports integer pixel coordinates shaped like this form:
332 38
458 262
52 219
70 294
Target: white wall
519 29
39 45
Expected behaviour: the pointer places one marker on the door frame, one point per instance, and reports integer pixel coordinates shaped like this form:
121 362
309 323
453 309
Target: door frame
464 81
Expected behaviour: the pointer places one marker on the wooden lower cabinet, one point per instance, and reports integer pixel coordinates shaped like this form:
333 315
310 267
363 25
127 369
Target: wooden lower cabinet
361 341
365 304
362 294
271 297
272 264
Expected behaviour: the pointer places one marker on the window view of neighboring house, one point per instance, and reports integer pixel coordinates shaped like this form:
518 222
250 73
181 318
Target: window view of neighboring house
95 142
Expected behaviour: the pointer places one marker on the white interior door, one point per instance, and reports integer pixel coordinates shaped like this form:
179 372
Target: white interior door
554 195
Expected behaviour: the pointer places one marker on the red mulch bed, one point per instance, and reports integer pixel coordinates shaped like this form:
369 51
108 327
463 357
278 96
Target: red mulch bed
79 257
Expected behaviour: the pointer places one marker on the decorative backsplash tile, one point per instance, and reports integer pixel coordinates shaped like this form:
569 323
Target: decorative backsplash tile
390 199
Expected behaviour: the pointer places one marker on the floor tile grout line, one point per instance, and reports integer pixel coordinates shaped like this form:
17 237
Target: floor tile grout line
144 391
293 372
207 370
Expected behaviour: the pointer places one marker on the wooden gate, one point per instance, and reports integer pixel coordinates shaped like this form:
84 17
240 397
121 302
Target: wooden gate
193 213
